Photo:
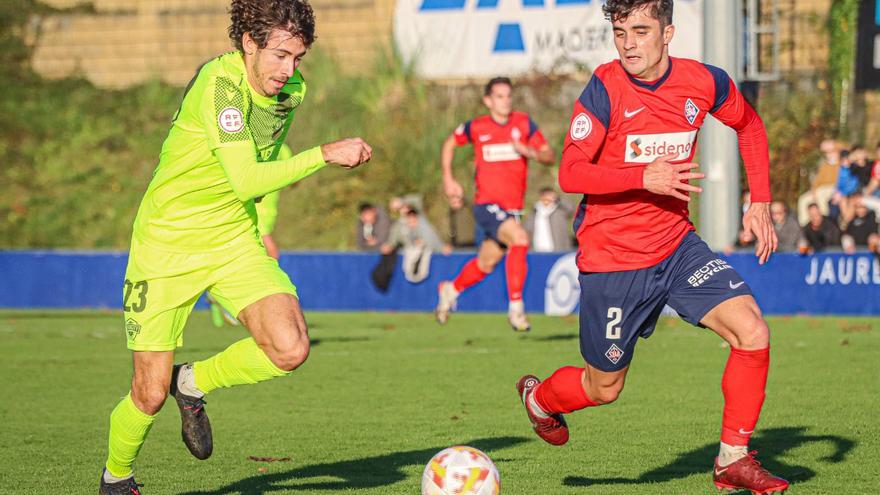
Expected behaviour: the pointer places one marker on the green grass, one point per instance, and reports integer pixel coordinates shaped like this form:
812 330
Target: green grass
382 392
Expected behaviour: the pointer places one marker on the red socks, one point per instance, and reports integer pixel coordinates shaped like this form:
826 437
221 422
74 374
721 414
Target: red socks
745 377
469 275
516 268
563 392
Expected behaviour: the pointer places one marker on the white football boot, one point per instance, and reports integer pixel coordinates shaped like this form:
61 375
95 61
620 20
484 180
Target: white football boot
447 296
516 315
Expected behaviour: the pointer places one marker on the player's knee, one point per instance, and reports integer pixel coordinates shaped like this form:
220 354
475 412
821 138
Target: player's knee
756 335
291 355
486 265
606 395
149 398
521 238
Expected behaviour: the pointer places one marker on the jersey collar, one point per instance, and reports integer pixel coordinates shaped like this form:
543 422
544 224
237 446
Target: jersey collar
653 85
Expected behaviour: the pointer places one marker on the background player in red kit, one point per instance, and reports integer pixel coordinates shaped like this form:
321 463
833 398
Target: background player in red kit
503 142
629 150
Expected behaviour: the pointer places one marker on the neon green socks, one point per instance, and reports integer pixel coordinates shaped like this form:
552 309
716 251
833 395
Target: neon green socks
241 363
128 429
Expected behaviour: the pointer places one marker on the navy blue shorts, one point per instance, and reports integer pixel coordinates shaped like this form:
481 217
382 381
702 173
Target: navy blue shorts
490 217
619 307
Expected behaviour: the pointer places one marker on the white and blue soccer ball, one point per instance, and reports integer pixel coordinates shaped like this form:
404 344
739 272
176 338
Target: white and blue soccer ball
461 470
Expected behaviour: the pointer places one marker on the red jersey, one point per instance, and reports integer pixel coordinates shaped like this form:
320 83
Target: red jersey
619 125
875 172
501 171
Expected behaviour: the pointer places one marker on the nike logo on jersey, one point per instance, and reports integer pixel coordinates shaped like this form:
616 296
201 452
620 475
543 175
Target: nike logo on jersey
628 114
743 432
736 286
484 137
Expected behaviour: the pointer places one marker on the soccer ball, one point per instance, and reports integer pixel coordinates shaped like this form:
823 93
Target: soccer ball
461 470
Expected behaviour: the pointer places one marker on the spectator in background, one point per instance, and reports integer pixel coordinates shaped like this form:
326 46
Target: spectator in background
819 233
861 232
373 227
462 226
787 230
414 230
840 208
871 193
823 181
744 238
398 206
418 239
861 165
549 225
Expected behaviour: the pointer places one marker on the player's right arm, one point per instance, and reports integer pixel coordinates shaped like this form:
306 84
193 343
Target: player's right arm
579 172
460 137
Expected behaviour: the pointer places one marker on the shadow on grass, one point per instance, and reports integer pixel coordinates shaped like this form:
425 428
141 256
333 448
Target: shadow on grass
367 472
321 340
777 441
557 337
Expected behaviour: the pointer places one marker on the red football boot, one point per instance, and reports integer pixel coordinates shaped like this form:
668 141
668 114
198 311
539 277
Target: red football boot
747 474
552 429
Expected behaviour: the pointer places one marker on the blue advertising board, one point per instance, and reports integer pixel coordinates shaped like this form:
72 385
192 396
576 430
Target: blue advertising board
824 284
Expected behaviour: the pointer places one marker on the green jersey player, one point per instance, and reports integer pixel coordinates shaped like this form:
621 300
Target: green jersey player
267 214
196 231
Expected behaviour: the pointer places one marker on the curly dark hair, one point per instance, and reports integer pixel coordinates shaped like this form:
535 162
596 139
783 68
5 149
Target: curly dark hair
260 17
621 9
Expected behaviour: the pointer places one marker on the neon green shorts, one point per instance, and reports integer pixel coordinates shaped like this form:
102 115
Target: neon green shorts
162 287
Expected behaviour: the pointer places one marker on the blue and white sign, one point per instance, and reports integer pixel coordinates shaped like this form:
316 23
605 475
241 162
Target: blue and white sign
485 38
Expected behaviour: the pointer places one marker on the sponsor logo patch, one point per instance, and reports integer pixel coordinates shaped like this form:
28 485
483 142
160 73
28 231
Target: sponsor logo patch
132 328
231 120
581 127
499 212
614 353
706 272
645 148
500 153
690 111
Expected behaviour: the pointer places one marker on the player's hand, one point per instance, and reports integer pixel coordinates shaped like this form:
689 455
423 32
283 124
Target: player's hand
523 149
662 177
347 153
453 190
757 221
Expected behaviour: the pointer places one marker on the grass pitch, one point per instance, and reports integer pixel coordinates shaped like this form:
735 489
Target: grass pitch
381 393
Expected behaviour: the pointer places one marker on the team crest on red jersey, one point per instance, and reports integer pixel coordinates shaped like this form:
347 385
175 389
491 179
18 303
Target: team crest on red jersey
614 353
690 111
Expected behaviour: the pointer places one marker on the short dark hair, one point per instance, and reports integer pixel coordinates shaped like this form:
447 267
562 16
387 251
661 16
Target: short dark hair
365 206
545 190
496 80
260 17
661 10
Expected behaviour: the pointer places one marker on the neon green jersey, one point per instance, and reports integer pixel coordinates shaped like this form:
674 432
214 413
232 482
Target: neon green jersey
267 208
219 155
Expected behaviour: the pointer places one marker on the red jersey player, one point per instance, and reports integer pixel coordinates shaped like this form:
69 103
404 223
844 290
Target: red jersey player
503 141
629 150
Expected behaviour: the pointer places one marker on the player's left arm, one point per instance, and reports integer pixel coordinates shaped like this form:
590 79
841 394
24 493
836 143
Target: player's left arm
735 112
536 146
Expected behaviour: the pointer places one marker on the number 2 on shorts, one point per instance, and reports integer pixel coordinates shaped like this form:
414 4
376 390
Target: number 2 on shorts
612 330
